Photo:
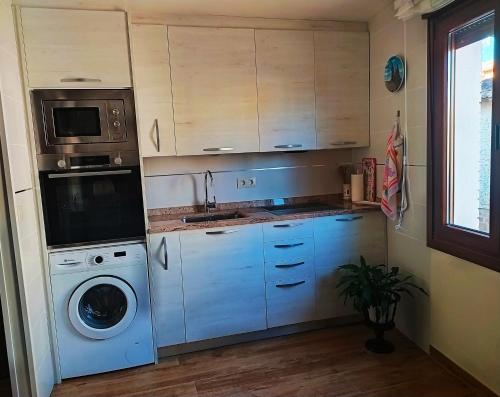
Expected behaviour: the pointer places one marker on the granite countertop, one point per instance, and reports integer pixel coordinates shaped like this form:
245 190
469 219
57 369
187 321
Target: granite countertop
164 220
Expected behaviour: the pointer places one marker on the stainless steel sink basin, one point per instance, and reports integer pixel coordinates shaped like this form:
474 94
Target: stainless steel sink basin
298 208
212 217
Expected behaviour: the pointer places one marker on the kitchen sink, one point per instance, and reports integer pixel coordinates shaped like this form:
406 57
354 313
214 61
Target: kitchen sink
299 208
212 217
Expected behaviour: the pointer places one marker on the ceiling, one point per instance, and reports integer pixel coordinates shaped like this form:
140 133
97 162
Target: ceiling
340 10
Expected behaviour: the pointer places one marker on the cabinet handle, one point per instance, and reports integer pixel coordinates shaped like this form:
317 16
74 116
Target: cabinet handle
288 285
291 146
289 265
283 225
288 245
165 253
80 80
352 219
218 149
157 129
216 232
343 143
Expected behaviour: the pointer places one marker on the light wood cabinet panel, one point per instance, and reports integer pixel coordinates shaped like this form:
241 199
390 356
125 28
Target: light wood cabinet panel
224 288
153 90
285 82
342 89
340 240
290 301
75 48
167 294
214 90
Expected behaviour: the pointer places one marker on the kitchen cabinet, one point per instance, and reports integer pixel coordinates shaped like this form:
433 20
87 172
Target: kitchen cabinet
223 279
153 90
342 89
339 240
289 270
167 294
285 82
75 48
214 90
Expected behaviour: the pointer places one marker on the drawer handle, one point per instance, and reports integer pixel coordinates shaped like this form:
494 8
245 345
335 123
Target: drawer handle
288 285
283 225
165 253
288 245
289 265
217 232
291 146
343 143
354 218
218 149
80 80
69 264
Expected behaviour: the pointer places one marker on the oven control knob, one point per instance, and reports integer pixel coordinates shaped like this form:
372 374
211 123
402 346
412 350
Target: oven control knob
61 163
118 160
116 124
116 112
98 259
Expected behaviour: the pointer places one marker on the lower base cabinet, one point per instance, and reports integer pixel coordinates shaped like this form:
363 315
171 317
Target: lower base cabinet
223 278
217 282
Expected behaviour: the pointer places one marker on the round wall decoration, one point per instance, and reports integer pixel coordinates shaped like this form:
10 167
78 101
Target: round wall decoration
394 73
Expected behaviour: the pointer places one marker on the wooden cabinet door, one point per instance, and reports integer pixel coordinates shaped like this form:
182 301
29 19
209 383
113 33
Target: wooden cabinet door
214 90
153 90
167 295
224 288
285 82
75 48
342 89
340 240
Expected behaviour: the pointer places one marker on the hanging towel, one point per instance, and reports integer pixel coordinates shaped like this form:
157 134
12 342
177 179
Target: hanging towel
390 185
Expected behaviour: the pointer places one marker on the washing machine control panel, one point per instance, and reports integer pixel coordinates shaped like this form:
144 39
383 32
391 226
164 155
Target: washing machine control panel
108 256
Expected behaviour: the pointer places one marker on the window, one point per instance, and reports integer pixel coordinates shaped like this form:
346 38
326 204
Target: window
464 132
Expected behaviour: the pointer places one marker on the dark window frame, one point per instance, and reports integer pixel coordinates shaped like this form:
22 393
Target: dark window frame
469 245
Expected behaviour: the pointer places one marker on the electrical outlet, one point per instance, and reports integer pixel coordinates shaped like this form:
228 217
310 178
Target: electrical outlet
246 183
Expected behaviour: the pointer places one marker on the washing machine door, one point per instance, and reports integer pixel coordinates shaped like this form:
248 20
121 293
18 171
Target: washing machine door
102 307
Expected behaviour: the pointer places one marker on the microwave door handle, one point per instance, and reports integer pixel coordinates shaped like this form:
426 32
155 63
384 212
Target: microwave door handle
82 174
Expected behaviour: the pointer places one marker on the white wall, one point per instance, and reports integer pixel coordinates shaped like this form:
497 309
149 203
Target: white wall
23 210
461 318
178 181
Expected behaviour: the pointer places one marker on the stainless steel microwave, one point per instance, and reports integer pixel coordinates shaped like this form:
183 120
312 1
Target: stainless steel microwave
84 121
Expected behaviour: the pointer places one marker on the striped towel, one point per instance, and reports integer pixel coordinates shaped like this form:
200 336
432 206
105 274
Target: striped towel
390 185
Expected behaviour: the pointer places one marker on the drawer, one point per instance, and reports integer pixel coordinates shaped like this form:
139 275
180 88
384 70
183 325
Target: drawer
287 251
290 302
284 230
217 243
283 270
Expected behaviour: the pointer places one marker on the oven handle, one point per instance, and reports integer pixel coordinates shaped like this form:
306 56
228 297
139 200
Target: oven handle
94 173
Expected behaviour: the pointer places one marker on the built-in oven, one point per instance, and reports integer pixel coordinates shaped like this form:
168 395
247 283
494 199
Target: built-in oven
83 121
92 201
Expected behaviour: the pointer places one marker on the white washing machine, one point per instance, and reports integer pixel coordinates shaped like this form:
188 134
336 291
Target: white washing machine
102 309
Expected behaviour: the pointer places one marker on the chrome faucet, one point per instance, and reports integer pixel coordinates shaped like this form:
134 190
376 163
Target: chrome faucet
209 204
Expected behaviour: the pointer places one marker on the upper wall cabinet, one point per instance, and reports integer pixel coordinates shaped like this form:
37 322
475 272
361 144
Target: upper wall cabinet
285 81
214 90
75 48
153 90
342 89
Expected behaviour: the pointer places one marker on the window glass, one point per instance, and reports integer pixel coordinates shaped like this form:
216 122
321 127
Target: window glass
470 81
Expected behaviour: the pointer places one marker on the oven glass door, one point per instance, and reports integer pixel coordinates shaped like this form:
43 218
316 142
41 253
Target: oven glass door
92 206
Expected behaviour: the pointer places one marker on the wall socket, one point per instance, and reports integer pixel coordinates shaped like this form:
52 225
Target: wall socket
246 183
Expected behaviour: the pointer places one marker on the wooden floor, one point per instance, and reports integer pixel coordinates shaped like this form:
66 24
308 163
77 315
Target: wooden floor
329 362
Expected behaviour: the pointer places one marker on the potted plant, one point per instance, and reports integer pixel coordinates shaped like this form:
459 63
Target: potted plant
375 292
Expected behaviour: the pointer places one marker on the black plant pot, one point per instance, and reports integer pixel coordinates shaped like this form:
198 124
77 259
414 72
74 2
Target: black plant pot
379 344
